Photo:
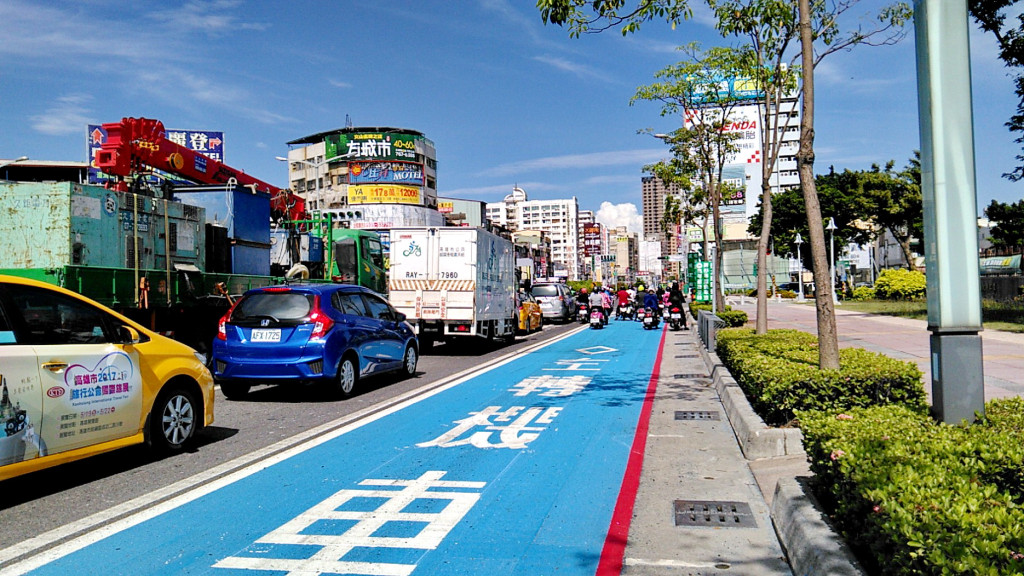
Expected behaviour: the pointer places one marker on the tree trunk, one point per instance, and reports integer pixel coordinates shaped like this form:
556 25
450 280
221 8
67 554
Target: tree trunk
908 254
761 326
717 266
828 336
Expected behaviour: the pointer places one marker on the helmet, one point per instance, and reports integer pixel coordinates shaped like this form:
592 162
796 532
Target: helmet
583 290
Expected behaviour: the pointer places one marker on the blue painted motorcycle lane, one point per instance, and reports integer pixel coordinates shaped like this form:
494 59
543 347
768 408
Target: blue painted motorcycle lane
544 505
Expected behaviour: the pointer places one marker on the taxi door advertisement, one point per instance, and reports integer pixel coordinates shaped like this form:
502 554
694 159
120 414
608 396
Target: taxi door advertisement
91 394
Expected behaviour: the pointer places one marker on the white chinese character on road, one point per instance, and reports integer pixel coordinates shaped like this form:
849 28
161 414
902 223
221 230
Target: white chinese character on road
403 506
552 386
578 364
515 435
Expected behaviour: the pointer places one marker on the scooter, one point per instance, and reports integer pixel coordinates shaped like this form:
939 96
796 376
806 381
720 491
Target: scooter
625 312
582 313
597 318
675 318
649 317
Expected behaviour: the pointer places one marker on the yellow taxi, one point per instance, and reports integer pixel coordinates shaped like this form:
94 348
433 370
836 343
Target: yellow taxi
78 379
531 317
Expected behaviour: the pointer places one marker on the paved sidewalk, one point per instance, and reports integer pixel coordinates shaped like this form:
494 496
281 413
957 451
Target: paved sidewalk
904 339
696 460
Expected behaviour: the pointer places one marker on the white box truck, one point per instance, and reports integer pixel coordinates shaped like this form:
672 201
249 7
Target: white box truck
454 282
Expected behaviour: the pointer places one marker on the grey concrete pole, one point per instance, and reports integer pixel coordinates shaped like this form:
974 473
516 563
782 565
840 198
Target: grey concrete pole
950 208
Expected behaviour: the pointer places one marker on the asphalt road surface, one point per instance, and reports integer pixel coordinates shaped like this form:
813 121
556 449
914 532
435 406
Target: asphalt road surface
46 508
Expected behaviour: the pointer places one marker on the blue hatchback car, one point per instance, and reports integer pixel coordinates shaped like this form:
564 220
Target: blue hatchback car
329 333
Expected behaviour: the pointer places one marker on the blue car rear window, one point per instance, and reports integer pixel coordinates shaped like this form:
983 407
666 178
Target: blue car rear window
279 305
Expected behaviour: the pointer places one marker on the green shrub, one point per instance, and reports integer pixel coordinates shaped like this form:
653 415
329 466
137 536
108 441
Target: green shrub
918 497
733 318
863 293
900 284
779 374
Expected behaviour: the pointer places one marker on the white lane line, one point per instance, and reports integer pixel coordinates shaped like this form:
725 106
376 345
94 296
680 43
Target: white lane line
47 548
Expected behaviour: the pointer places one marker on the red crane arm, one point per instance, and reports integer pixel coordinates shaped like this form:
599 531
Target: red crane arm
135 143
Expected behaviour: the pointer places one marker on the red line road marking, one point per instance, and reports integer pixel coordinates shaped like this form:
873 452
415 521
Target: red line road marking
614 548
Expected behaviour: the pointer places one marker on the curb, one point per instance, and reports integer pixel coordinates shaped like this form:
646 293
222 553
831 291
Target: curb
810 543
756 439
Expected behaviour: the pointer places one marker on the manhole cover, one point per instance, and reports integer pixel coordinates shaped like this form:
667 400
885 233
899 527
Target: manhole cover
688 376
714 513
697 415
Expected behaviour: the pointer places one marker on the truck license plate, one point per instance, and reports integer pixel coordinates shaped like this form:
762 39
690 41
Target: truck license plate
266 335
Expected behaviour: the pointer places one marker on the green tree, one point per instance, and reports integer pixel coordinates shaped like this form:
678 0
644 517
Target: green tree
894 202
821 35
841 198
702 146
593 16
991 15
1009 218
770 27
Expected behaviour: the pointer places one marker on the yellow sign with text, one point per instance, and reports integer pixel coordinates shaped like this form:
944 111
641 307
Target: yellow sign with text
383 194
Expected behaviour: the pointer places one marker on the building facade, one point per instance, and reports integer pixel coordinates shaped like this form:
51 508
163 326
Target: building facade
368 177
558 218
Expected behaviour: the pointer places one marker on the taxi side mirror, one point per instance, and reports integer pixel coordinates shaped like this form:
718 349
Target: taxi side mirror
127 335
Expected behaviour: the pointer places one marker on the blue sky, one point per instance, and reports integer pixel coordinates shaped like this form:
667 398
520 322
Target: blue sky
507 100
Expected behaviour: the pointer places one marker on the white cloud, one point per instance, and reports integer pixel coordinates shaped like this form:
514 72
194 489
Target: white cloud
615 215
580 70
68 115
580 161
339 84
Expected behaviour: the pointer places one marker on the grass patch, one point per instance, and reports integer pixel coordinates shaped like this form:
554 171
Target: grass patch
1004 316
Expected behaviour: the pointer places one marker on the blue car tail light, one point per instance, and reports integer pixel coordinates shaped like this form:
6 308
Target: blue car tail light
322 323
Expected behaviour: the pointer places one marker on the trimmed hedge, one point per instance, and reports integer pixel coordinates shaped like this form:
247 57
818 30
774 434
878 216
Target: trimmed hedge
779 374
919 497
732 318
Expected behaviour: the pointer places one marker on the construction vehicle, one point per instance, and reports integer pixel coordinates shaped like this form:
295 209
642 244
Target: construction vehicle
171 257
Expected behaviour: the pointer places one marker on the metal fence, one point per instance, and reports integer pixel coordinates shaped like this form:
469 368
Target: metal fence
708 326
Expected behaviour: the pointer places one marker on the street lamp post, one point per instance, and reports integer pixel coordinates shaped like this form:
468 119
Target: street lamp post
832 257
800 272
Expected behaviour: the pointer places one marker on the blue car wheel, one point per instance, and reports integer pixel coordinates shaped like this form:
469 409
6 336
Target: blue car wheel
348 375
409 362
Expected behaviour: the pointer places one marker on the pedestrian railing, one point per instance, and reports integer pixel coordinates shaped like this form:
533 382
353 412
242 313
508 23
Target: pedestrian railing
708 325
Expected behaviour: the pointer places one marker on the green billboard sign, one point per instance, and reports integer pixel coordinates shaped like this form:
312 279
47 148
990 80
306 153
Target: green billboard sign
371 146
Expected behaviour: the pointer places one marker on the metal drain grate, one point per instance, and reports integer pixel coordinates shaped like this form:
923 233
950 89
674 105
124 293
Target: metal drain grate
688 376
714 513
697 415
687 355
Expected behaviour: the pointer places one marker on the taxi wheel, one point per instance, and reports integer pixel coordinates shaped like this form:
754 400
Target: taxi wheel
348 375
174 419
409 362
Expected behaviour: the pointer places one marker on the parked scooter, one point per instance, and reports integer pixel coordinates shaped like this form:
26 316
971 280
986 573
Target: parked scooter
675 318
649 317
597 319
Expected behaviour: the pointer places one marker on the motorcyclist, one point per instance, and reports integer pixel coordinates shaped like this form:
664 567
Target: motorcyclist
582 297
677 299
651 300
597 300
606 303
623 299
